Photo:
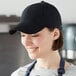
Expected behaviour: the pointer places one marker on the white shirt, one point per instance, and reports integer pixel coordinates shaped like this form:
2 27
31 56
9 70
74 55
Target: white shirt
70 71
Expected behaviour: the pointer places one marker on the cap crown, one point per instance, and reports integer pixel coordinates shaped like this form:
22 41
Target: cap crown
37 16
43 14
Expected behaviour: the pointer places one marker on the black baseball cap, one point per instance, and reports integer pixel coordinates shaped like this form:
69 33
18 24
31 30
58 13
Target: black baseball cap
37 16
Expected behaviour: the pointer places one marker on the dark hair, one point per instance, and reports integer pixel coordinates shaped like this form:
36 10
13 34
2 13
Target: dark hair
58 44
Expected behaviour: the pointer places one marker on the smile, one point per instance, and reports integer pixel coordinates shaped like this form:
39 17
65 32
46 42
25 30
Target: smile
32 49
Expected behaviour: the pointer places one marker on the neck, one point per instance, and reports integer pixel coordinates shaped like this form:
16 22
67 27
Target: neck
50 61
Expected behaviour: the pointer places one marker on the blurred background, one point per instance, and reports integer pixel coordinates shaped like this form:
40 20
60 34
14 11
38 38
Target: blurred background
12 53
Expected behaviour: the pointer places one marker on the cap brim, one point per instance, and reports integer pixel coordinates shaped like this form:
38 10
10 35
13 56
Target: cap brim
26 28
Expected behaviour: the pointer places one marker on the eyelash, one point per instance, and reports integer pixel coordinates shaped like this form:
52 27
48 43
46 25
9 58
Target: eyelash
22 35
32 35
35 35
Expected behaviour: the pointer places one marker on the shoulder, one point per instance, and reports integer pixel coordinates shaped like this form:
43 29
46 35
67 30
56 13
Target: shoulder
71 70
21 70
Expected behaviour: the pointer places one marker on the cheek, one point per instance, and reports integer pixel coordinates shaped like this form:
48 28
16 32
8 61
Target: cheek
47 43
40 42
36 41
23 41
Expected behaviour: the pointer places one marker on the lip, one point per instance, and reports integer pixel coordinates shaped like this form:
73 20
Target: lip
32 49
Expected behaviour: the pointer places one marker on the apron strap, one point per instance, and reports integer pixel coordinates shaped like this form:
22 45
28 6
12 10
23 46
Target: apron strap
61 69
30 68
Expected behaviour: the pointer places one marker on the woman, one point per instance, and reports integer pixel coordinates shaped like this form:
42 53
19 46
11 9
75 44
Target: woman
41 35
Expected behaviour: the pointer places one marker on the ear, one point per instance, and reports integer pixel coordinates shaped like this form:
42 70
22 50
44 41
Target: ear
56 34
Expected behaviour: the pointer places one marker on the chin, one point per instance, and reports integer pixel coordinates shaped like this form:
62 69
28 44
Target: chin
33 57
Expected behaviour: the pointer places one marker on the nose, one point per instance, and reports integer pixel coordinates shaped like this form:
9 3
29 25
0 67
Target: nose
28 40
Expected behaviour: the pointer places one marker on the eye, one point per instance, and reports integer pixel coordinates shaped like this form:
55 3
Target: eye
36 35
22 35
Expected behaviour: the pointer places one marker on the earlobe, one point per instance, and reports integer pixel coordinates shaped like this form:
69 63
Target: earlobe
56 34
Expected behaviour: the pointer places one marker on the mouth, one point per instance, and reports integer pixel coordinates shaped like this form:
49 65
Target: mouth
32 49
